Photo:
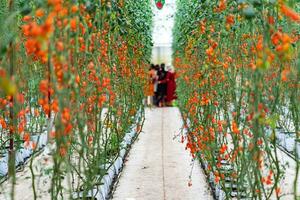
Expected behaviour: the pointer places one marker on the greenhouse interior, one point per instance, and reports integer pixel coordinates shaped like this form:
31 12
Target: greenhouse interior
150 99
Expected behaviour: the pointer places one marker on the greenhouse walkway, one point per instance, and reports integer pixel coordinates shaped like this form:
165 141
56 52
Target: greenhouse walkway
158 166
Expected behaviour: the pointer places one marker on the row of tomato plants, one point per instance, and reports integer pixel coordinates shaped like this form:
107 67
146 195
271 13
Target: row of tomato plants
82 64
239 82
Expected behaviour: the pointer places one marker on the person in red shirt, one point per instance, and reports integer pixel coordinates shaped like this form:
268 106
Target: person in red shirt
171 86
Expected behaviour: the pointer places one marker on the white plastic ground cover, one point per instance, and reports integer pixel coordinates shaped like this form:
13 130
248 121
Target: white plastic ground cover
23 154
3 165
290 143
26 151
102 192
287 141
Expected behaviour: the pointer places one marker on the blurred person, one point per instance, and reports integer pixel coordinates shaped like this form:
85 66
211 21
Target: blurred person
171 86
155 97
161 86
152 74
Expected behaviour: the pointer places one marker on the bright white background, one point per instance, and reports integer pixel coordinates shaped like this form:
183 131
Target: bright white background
162 32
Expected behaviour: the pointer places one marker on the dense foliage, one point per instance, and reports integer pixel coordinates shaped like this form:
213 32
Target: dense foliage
75 69
239 69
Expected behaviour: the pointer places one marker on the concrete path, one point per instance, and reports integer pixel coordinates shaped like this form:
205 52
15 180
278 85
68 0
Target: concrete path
158 165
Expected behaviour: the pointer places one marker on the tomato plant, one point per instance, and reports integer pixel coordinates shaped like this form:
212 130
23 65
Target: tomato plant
239 90
75 70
